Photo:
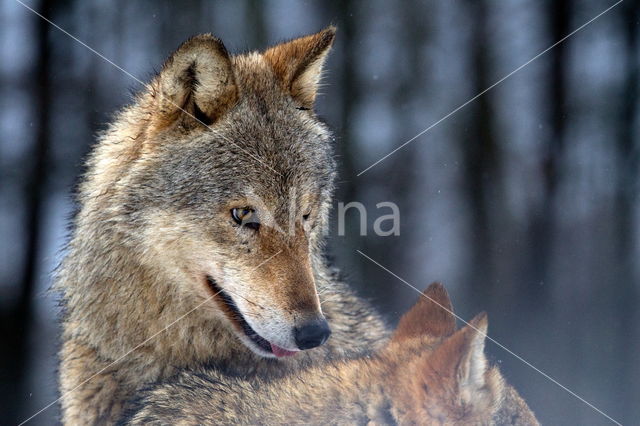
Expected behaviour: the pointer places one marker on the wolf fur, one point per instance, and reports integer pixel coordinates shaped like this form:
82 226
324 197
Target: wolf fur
427 374
212 132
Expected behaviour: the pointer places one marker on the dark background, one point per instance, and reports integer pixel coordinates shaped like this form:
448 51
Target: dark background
524 202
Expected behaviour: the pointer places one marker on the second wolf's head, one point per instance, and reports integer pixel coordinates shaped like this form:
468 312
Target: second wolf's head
224 182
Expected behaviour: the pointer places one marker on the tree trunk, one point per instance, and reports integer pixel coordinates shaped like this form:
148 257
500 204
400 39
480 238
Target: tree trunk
16 326
481 160
541 229
626 298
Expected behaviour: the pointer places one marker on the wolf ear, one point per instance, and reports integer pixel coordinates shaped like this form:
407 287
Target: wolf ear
454 381
431 315
197 78
461 359
298 64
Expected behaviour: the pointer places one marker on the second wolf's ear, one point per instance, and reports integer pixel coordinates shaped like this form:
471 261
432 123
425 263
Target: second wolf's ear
432 315
298 64
454 381
461 358
197 79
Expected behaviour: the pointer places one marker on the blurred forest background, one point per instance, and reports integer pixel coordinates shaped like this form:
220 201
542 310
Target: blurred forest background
524 202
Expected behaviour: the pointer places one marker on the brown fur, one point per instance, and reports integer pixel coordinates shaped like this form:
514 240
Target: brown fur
421 320
154 222
299 62
424 375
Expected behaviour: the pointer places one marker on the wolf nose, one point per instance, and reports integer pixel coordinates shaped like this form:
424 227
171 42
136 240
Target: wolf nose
312 334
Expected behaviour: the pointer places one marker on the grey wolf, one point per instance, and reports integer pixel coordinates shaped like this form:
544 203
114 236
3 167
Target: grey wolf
184 200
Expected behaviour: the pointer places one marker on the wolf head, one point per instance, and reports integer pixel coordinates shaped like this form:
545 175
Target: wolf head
224 184
441 376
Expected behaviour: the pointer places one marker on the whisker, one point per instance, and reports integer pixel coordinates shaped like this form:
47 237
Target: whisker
335 296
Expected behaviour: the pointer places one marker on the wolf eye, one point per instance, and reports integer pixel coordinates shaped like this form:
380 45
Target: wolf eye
241 215
245 216
306 216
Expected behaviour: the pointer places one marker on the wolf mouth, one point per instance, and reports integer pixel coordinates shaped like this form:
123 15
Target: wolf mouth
230 308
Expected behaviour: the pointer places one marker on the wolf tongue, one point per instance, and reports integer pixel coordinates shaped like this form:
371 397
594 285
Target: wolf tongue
281 352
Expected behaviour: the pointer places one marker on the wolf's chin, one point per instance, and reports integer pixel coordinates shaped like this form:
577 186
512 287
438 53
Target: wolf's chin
249 337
